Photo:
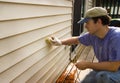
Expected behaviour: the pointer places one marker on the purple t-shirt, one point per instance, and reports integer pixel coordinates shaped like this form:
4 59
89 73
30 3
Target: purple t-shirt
106 49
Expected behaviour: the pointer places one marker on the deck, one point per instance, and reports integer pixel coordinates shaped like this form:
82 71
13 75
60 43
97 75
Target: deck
72 74
87 55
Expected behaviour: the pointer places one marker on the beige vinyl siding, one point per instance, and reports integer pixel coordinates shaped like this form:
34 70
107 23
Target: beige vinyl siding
24 25
88 4
30 11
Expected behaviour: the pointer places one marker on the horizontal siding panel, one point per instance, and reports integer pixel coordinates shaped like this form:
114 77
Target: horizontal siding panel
11 58
16 58
10 11
32 70
9 75
45 69
59 70
47 78
24 25
64 3
26 38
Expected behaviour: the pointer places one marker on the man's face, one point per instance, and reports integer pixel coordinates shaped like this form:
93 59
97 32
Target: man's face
91 27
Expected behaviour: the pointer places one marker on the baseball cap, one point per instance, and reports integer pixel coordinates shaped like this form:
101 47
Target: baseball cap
93 12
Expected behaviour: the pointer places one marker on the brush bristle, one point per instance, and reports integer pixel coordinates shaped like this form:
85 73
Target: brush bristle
48 41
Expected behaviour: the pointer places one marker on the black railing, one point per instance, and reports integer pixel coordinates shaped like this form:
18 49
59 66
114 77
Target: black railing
77 15
113 7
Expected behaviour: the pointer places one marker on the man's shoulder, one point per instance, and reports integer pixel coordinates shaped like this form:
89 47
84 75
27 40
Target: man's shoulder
114 31
114 34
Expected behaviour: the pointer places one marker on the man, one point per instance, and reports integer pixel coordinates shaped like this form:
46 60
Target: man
106 44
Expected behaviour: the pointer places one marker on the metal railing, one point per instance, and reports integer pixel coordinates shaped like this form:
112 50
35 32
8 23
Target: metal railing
112 6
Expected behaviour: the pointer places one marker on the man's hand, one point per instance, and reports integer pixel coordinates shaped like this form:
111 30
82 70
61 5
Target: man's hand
55 41
82 65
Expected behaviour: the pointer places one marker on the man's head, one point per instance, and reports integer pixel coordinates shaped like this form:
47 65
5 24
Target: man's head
93 13
95 19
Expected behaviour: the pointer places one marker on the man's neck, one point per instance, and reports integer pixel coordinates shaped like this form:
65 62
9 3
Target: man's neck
102 32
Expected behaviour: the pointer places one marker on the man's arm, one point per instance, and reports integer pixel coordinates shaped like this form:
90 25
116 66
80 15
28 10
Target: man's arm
104 66
108 66
70 41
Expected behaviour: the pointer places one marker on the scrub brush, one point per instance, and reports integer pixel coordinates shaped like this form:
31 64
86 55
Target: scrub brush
48 41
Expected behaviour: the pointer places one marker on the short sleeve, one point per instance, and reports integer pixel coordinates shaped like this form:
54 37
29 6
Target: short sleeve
115 49
85 39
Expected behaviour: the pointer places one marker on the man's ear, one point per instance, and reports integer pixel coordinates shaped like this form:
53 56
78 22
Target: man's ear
99 21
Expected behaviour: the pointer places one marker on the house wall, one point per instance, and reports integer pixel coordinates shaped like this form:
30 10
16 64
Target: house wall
24 25
88 4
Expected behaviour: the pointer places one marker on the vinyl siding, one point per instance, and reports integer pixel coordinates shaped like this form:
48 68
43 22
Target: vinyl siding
24 25
88 4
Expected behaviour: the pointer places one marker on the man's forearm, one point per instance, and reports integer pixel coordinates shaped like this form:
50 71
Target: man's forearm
105 66
70 41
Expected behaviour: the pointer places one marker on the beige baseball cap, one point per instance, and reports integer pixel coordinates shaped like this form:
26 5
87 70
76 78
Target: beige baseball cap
93 12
